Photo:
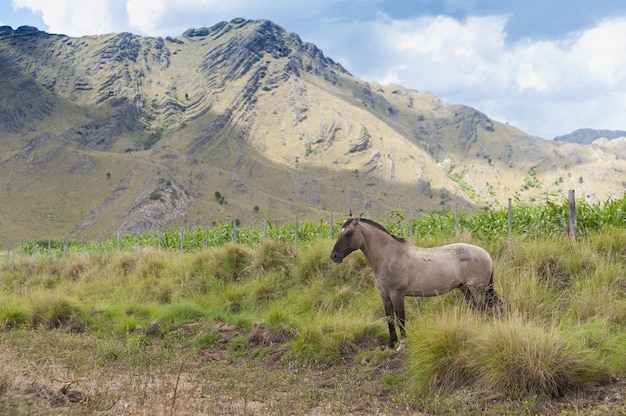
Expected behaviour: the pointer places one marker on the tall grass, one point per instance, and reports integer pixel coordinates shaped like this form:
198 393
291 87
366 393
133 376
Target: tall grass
561 328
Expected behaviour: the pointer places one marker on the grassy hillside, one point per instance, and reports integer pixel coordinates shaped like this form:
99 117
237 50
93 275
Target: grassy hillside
278 328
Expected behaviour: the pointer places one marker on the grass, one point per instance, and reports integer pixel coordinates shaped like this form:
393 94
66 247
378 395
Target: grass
266 327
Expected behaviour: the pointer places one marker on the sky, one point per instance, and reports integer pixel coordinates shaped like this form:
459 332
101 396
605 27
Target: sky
548 67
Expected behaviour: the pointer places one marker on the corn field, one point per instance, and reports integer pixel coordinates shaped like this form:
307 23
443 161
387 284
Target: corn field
527 220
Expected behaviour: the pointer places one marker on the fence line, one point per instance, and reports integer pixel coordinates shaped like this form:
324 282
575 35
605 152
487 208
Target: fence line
570 229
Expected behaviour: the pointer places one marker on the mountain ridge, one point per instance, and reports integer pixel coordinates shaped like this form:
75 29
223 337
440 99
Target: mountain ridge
123 133
587 136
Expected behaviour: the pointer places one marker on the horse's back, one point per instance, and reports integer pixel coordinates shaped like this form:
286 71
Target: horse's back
465 262
468 254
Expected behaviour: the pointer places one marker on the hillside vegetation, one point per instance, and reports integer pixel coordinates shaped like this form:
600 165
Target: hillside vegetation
124 133
272 327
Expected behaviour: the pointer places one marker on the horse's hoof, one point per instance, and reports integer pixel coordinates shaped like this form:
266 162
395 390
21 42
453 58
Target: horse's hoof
401 345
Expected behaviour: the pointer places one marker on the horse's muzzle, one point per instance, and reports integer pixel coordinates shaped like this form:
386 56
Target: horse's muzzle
336 257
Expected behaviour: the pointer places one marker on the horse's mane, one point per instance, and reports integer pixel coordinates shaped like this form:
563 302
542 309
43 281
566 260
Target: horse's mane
375 225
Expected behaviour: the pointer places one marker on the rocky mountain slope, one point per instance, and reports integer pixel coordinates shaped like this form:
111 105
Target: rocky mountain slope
587 136
122 133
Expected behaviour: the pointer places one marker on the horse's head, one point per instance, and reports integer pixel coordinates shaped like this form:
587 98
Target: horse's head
349 240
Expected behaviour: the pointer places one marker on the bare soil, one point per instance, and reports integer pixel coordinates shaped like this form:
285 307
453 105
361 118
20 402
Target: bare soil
259 380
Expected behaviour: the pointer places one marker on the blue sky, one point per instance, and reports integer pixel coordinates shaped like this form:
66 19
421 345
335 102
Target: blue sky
548 67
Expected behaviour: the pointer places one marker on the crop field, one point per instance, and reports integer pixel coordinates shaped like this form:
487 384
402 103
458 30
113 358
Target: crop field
268 326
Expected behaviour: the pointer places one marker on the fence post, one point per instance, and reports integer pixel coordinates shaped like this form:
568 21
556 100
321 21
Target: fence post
159 238
510 219
118 241
233 232
411 223
182 240
64 245
206 237
456 218
296 230
330 233
265 228
571 226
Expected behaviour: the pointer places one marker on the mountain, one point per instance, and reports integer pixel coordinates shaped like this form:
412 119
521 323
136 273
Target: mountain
587 136
243 120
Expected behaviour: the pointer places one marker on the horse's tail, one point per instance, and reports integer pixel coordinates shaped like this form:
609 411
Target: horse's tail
491 297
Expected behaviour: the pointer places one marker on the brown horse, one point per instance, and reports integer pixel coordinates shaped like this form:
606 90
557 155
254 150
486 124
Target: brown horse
402 269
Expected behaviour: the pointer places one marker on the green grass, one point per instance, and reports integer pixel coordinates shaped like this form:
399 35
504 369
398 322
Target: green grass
559 333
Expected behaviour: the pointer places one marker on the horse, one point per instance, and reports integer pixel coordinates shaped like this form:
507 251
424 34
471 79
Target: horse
403 269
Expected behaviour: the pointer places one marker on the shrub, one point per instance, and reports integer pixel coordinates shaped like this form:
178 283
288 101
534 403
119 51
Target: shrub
273 255
13 315
54 311
440 353
232 261
523 359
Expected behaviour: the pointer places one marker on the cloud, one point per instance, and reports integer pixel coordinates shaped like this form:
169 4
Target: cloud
549 86
164 17
146 14
601 51
71 17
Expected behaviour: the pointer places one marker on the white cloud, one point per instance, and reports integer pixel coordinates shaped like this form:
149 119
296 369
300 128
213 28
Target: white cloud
548 87
146 14
165 17
602 51
71 17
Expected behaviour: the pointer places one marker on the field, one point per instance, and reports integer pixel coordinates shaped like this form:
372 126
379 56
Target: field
271 327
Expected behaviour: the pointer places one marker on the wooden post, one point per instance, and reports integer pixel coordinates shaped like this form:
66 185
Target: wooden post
64 245
330 234
456 219
571 226
233 232
411 223
510 219
118 241
296 239
182 240
265 228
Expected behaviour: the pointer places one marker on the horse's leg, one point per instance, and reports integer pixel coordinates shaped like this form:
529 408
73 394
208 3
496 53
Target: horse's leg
492 298
477 296
469 295
398 307
393 337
